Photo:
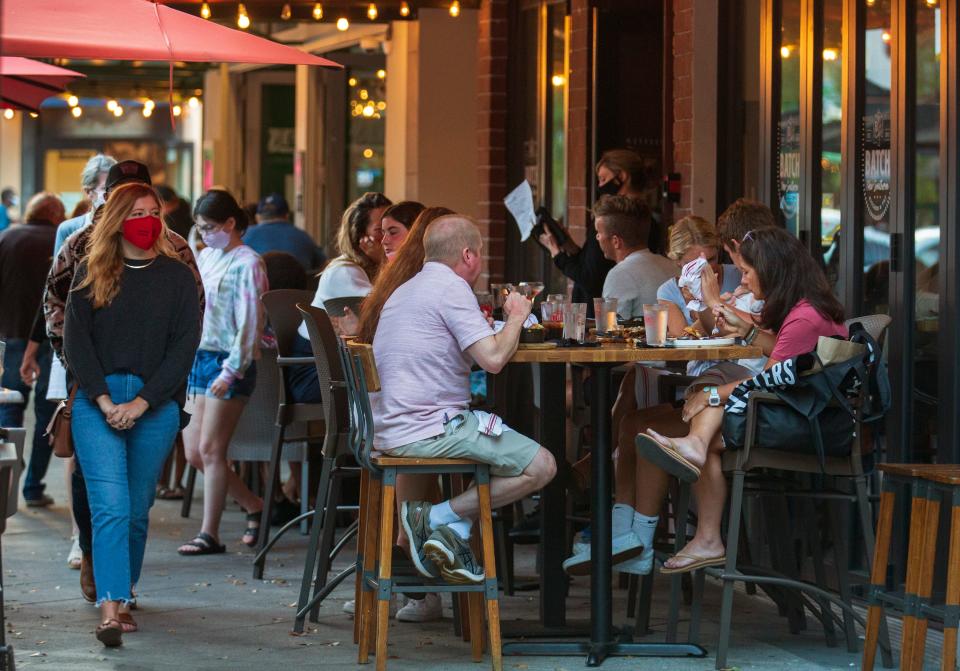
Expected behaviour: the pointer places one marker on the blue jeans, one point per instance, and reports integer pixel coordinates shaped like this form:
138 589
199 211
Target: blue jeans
121 470
11 415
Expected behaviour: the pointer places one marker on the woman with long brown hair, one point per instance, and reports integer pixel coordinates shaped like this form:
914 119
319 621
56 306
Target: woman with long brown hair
131 327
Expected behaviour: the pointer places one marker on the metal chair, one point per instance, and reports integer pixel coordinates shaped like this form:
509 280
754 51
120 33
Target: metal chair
377 511
338 462
281 306
754 457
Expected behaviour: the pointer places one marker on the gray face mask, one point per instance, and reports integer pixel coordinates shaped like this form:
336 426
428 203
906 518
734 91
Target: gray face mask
14 201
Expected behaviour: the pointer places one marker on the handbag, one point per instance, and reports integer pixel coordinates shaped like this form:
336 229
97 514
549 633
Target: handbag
58 431
818 413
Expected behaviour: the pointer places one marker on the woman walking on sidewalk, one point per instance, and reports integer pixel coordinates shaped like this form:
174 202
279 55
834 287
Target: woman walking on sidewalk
131 327
224 372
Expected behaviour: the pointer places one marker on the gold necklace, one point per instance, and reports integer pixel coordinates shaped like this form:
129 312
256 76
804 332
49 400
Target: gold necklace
146 265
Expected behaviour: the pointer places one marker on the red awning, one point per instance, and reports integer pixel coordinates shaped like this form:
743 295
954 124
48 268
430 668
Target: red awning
133 30
25 83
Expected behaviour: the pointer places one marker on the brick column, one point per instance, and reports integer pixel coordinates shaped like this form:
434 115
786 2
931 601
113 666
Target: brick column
492 133
579 130
683 102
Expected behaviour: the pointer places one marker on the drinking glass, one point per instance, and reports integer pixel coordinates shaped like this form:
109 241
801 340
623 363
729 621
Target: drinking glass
605 310
485 301
500 293
574 321
655 324
530 289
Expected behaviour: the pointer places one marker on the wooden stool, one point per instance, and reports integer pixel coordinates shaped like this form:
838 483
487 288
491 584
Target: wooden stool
930 485
375 549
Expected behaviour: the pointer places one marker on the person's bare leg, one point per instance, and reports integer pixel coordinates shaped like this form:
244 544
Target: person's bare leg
710 492
538 473
693 447
625 457
651 482
191 434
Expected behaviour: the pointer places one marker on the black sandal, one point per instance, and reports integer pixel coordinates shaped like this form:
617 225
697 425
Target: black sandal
252 534
110 633
205 544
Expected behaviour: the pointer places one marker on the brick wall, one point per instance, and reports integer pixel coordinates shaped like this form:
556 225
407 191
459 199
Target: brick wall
683 102
492 134
579 158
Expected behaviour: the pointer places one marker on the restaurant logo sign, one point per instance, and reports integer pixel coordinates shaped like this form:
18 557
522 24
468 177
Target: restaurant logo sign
875 166
788 175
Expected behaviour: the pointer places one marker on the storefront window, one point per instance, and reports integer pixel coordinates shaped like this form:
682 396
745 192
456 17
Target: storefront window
830 163
875 159
927 228
788 132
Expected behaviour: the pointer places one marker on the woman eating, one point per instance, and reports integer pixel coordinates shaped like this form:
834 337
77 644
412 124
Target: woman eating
131 327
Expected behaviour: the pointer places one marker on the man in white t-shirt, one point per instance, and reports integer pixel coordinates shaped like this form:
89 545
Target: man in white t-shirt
431 332
623 227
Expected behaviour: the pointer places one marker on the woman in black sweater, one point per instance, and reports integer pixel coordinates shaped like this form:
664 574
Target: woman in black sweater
131 329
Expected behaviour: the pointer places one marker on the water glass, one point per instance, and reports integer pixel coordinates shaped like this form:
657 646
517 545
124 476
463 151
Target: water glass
655 324
574 321
605 311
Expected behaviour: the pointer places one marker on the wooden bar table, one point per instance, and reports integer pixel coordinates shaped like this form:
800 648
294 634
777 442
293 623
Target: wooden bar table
604 640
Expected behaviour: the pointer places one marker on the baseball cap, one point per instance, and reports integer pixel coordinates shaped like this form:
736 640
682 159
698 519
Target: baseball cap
273 204
127 171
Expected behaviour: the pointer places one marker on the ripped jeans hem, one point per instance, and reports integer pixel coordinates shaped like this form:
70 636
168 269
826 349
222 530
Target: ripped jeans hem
123 601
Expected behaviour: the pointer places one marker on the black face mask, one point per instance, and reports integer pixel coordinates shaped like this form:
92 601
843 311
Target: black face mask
611 188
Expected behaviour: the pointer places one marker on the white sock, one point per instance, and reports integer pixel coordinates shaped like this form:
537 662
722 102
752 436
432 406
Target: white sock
462 528
645 528
622 518
442 513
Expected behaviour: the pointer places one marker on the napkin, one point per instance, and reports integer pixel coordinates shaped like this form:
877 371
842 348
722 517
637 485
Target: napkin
690 278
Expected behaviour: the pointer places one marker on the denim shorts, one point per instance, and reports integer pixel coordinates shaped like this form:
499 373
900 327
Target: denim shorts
207 366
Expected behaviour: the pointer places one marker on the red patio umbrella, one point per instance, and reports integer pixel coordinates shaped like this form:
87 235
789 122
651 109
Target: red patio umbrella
25 83
132 30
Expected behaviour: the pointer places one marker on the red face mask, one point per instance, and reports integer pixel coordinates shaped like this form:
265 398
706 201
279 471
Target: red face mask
142 231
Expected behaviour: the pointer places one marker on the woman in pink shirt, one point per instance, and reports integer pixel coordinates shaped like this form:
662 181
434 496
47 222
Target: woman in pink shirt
799 307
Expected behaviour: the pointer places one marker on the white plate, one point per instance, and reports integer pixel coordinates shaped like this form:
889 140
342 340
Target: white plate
704 342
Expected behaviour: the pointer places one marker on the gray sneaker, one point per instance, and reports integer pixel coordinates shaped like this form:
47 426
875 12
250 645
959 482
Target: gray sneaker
415 517
454 557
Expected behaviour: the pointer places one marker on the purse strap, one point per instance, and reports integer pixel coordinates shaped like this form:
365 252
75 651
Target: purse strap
73 394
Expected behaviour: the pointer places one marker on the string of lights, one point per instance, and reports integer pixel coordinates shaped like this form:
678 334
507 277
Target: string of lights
291 11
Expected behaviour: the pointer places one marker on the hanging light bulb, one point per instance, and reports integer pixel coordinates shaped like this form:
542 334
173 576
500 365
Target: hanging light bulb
147 111
8 114
318 12
381 74
111 105
118 111
243 19
193 102
76 112
73 101
830 54
286 12
368 153
455 8
931 3
34 115
343 24
404 10
205 10
372 12
149 104
369 110
885 36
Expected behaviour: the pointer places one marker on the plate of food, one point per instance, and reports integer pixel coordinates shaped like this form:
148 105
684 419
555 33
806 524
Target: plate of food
700 342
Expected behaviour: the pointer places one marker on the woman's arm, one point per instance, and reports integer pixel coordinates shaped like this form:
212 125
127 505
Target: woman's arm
676 322
249 317
181 347
78 345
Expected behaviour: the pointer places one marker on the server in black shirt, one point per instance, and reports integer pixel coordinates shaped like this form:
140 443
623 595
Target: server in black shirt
131 329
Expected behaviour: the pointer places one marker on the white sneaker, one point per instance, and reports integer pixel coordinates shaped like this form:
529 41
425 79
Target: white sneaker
427 609
350 607
640 565
75 556
625 546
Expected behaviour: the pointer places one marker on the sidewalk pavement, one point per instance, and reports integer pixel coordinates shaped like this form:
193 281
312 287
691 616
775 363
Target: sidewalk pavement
207 612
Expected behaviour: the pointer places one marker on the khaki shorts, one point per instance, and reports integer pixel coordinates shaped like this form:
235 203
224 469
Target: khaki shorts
508 454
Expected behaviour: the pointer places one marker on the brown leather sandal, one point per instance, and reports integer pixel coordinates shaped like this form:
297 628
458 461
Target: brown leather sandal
110 633
127 623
